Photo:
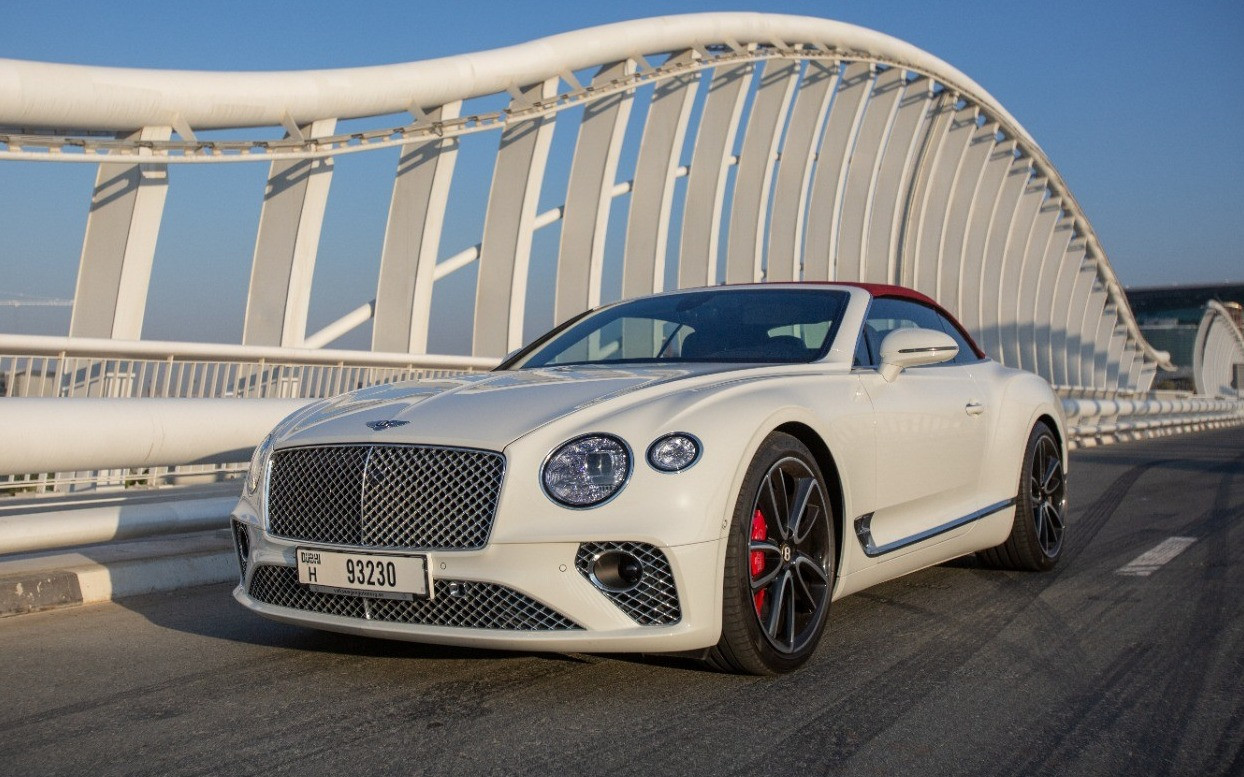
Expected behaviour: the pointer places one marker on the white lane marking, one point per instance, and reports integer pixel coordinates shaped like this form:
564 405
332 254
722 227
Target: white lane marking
1152 560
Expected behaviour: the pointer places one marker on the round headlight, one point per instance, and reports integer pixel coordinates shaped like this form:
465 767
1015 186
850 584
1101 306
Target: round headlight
259 462
674 452
587 470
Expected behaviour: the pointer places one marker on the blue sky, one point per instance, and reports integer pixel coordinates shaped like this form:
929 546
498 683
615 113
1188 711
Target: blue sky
1135 102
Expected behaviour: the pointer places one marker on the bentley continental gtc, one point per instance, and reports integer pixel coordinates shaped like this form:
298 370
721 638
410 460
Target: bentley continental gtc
699 472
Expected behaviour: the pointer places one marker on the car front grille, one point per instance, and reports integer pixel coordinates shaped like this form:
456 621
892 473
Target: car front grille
457 603
385 496
654 600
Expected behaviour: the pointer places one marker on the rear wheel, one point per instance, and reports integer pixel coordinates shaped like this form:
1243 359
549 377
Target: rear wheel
1036 540
779 567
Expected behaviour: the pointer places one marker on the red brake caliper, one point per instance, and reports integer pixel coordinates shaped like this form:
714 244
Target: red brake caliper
760 533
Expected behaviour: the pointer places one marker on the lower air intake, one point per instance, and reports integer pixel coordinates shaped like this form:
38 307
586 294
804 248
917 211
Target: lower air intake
651 602
472 605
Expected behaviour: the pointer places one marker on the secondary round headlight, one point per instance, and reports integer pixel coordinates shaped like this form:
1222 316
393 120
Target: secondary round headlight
259 462
587 470
674 452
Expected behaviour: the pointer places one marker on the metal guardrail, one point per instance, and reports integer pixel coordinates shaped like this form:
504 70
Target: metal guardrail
1102 420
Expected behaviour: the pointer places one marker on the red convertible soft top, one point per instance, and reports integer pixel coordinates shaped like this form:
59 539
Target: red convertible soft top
902 292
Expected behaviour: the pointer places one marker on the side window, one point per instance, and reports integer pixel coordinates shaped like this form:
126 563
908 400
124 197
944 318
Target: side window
887 314
966 355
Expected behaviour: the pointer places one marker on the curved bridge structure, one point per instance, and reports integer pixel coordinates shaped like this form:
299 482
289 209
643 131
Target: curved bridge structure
1218 355
707 148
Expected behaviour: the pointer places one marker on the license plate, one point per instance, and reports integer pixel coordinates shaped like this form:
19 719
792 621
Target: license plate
374 575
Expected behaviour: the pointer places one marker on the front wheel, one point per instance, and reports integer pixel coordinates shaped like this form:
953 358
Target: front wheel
1036 540
779 567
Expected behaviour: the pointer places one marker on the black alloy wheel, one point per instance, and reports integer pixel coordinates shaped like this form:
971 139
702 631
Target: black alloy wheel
1036 540
780 561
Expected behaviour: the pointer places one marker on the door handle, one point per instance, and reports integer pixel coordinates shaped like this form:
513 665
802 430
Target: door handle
974 408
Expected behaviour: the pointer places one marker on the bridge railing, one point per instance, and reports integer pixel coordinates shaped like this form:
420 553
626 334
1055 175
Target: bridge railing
97 413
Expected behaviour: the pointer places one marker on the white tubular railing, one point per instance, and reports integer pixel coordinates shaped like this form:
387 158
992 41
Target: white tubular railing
1101 421
32 366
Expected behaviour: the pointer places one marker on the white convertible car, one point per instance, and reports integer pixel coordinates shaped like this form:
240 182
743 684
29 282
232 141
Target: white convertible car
700 471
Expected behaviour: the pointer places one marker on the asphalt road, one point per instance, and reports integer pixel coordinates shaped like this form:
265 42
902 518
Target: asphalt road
954 670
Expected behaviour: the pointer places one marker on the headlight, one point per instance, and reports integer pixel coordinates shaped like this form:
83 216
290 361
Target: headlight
674 452
259 462
587 470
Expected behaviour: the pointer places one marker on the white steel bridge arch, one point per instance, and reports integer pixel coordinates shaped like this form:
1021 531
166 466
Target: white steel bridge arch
811 149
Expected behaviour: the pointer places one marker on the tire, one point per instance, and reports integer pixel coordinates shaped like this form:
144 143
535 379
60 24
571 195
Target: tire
1036 540
780 563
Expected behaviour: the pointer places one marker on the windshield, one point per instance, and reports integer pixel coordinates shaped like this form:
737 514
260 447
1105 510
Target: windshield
722 325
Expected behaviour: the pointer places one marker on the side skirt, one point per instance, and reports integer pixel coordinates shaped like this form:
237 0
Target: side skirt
863 530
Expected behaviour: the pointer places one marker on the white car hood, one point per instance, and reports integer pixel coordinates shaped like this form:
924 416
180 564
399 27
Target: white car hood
487 411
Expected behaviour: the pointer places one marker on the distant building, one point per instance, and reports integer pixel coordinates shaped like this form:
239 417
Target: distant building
1169 316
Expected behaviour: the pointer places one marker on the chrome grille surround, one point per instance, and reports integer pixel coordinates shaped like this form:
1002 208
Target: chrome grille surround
654 600
474 605
384 496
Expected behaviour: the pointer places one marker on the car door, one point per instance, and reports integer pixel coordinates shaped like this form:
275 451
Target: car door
930 432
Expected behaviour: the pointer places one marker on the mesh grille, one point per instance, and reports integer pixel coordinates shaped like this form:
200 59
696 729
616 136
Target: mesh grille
241 545
473 606
654 601
393 496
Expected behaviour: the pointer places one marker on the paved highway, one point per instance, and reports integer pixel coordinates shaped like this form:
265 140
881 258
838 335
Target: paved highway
954 670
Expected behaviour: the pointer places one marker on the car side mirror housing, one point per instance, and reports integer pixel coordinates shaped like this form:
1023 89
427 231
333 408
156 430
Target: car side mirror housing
913 347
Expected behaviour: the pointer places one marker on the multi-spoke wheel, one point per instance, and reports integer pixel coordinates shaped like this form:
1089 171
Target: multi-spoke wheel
779 563
1036 540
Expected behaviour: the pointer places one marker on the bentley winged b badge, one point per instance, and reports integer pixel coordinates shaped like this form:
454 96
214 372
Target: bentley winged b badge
380 426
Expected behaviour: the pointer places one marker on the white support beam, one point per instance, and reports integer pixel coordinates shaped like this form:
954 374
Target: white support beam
1018 233
710 164
1078 372
1036 330
794 174
965 193
1039 238
858 196
652 194
991 195
895 178
927 218
752 181
829 178
412 239
118 249
589 194
993 264
1064 293
286 246
505 251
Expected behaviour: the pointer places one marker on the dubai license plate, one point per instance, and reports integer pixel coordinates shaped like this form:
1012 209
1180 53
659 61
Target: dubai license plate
374 575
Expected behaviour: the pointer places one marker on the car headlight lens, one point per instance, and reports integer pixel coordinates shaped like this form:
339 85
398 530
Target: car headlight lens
259 462
587 470
674 452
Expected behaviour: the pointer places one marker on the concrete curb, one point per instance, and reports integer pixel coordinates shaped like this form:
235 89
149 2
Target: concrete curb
97 574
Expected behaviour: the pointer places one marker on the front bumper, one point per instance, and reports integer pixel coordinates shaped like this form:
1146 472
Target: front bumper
524 596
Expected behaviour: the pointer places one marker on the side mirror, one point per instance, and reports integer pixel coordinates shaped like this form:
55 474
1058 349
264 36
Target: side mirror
905 348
